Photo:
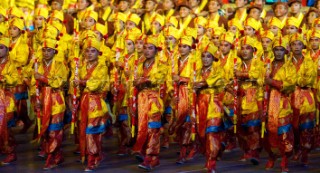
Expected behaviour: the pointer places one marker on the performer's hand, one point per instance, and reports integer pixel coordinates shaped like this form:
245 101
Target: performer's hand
119 64
175 100
237 73
176 78
197 85
268 81
138 81
26 81
76 82
37 76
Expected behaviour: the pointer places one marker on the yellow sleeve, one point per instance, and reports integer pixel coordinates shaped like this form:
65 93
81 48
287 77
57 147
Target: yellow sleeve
289 79
216 78
307 73
21 56
98 79
10 74
58 74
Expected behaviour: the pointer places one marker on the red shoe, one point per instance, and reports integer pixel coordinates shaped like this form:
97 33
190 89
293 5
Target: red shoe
230 147
89 169
305 160
181 161
42 154
297 156
9 159
244 158
284 170
145 167
270 164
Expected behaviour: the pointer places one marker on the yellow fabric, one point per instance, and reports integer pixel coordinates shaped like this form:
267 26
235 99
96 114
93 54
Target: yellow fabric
19 52
201 21
228 37
171 31
280 41
92 42
211 48
41 12
50 43
15 11
235 22
186 40
57 14
134 18
292 21
253 23
287 75
173 20
267 34
5 41
91 14
19 23
275 22
158 18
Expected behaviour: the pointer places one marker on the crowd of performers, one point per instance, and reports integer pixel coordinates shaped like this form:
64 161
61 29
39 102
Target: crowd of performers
162 72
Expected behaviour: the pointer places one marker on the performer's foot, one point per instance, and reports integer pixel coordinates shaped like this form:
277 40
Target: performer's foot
145 167
165 145
229 148
270 164
212 171
49 166
11 158
42 154
305 160
244 158
254 161
181 161
297 156
26 127
284 170
89 169
140 158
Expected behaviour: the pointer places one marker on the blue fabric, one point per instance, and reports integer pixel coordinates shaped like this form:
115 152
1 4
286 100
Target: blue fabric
123 117
306 125
252 123
284 129
154 125
21 96
67 117
95 129
231 114
227 123
311 3
168 110
11 123
213 129
188 118
55 127
31 28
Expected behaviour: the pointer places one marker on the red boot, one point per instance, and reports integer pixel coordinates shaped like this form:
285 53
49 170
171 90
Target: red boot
9 159
211 166
183 153
284 165
49 162
270 164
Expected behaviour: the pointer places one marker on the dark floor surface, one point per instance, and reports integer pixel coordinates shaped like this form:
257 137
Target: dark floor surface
28 162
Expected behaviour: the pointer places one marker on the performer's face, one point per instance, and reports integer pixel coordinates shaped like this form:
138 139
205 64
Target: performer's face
314 43
259 2
213 6
311 17
150 50
224 47
168 4
280 10
130 25
156 27
123 6
274 30
89 22
104 3
184 49
170 40
246 52
295 7
3 51
233 29
292 29
130 46
48 53
56 5
14 31
1 18
266 43
99 35
150 5
184 12
91 54
279 53
207 59
139 46
82 4
296 47
201 30
249 31
216 40
240 3
255 13
317 26
194 3
38 21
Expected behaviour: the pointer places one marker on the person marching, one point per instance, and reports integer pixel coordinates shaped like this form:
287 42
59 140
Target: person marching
281 78
8 79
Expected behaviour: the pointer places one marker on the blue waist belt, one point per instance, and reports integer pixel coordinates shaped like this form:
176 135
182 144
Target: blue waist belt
123 117
284 129
11 123
154 125
306 125
55 127
188 118
213 129
21 96
252 123
96 129
168 110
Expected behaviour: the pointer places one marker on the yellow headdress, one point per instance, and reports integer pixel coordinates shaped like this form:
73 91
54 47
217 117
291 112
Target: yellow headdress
172 31
173 20
211 48
151 40
267 34
119 16
101 28
275 22
134 18
292 21
41 12
248 41
50 43
298 37
92 14
280 41
228 37
92 42
5 41
58 15
201 21
186 40
253 23
19 23
3 12
159 18
15 11
313 33
50 32
235 22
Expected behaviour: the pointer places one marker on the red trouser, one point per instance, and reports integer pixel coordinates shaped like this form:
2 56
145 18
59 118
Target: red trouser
94 149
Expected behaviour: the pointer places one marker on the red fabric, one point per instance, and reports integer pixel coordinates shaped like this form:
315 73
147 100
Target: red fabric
94 148
46 109
84 106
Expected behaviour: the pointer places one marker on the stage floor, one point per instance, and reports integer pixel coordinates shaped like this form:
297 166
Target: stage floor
28 162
